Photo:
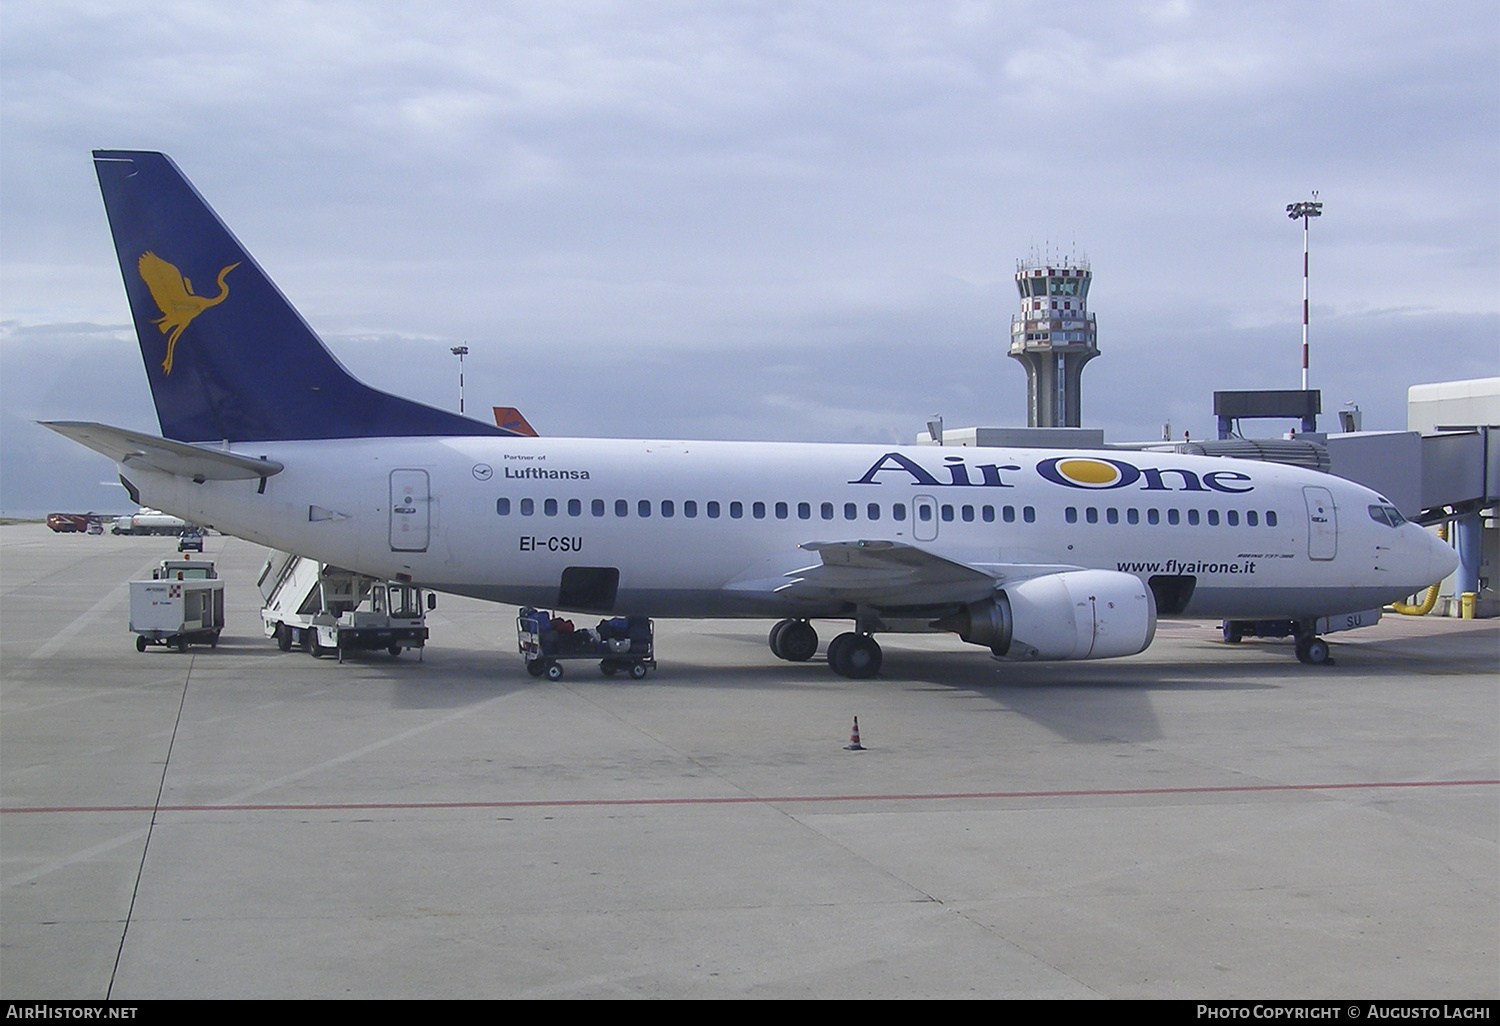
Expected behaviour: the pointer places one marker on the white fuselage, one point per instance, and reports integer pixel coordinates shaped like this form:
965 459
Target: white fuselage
710 528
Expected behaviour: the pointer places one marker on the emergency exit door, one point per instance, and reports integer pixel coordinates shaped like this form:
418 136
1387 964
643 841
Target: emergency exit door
411 502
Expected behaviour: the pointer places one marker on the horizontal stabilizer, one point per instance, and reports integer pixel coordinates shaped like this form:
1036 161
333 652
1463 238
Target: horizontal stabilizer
134 449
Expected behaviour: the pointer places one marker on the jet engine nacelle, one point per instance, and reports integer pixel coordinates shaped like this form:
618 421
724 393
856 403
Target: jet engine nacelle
1080 614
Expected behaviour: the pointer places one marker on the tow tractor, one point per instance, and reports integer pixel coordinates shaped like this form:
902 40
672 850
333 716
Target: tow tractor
183 603
624 644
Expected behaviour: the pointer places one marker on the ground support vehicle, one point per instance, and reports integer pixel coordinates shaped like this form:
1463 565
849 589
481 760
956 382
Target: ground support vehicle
327 609
149 521
624 644
73 523
183 603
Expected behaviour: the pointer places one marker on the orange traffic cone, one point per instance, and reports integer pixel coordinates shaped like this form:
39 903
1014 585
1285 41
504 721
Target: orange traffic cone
854 745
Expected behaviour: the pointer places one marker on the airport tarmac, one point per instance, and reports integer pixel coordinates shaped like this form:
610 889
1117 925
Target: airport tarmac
1199 821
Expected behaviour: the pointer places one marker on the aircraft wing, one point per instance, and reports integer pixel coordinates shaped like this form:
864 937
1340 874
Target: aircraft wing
890 574
134 449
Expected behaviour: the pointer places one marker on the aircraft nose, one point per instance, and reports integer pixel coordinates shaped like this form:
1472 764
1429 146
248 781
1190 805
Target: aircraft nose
1442 558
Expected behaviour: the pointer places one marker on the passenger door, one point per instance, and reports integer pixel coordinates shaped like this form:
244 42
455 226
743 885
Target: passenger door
410 504
1322 522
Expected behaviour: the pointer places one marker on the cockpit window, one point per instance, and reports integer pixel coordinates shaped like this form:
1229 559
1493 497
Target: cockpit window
1388 515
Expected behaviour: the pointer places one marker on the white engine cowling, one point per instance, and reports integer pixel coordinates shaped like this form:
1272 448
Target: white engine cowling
1080 614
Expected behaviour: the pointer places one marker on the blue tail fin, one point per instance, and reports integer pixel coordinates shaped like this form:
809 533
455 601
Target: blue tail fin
227 355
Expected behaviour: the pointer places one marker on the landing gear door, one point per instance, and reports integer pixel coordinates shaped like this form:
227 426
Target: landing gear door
1322 523
410 510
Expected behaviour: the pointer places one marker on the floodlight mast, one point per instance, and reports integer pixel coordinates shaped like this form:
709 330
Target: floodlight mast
1306 210
460 352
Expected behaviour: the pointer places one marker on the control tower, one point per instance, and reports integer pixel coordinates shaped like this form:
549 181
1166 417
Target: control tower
1054 337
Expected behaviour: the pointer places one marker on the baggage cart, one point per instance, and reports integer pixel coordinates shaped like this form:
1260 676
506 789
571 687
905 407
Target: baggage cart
623 644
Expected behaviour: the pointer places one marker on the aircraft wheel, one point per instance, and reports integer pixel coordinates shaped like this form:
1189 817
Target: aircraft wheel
776 635
1313 652
859 658
536 667
554 671
637 671
140 643
1233 632
836 648
283 637
799 642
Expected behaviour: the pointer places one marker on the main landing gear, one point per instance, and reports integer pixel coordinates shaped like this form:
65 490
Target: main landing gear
853 654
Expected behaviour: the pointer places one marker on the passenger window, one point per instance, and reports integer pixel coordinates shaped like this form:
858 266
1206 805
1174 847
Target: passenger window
1112 515
575 508
713 510
804 511
873 511
1193 517
987 514
924 513
597 507
1071 514
1091 515
1270 518
781 511
736 510
643 508
549 507
1028 514
668 507
826 511
1213 518
851 511
967 514
898 511
502 507
758 510
1132 515
690 508
947 513
622 508
1153 517
1252 519
1233 517
1008 514
1173 517
528 507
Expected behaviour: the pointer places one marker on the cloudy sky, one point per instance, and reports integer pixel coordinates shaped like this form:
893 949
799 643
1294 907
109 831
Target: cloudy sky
764 220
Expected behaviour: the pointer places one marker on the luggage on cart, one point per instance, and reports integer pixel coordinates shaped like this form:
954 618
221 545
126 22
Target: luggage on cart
623 644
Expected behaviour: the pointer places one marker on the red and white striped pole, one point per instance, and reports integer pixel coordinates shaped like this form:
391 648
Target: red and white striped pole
1306 211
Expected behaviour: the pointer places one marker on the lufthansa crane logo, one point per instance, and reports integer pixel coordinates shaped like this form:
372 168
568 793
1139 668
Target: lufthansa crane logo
174 297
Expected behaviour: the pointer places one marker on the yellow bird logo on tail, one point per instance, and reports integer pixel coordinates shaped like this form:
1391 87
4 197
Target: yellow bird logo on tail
174 297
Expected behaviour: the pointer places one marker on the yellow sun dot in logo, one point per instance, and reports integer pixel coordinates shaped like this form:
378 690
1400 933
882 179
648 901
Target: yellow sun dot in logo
1089 472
